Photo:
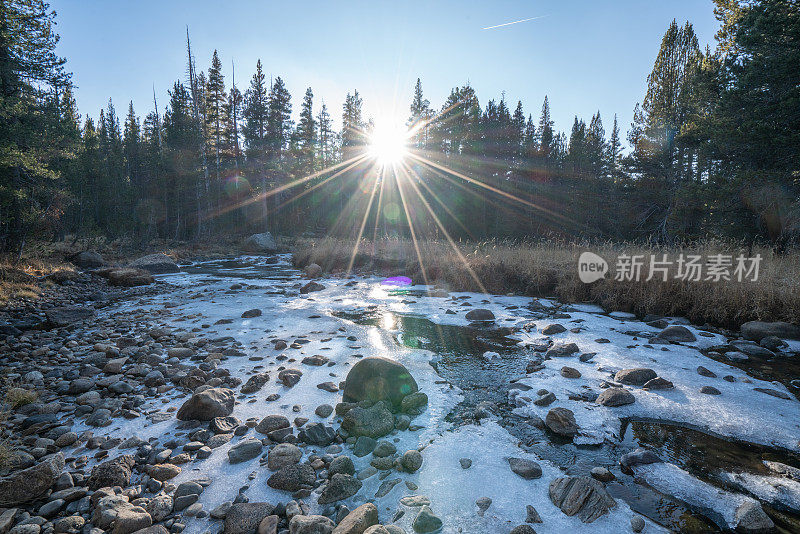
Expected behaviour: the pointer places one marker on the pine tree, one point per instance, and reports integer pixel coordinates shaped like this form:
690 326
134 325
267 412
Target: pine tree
197 89
504 136
545 131
325 135
754 130
614 151
155 205
183 162
529 139
458 125
518 131
421 114
216 107
233 112
30 74
87 186
255 114
576 151
667 106
352 122
115 183
596 147
307 126
279 123
133 153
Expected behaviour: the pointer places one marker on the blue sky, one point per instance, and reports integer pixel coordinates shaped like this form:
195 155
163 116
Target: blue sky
585 55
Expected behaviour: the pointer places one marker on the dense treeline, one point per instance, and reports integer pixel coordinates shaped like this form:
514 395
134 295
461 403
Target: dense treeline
714 150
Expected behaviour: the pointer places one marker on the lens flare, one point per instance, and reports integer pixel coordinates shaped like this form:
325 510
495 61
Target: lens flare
388 143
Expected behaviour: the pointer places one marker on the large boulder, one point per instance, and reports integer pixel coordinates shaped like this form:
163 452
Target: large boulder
244 517
527 469
318 434
260 244
582 496
245 450
87 260
31 483
128 276
562 349
674 334
615 397
66 315
115 472
293 477
562 422
312 270
311 524
750 518
757 330
131 519
637 457
283 454
373 422
311 287
155 263
479 315
374 379
635 377
339 487
359 520
208 404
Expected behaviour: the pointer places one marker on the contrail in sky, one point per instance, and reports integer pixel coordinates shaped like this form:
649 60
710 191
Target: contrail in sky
515 22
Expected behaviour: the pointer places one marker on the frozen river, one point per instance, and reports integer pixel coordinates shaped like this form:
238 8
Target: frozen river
484 382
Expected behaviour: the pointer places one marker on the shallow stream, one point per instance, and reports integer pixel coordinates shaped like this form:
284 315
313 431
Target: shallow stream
459 361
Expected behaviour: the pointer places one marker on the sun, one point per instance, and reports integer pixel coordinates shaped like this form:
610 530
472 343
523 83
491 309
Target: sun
388 143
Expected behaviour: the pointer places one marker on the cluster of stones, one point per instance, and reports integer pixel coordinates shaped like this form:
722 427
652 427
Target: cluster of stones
105 499
585 496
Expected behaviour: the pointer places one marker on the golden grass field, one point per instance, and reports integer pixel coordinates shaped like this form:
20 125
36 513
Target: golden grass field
550 270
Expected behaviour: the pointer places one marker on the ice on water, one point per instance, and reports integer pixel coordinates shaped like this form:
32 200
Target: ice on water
739 412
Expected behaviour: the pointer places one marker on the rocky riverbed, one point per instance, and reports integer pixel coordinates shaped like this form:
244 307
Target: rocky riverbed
240 396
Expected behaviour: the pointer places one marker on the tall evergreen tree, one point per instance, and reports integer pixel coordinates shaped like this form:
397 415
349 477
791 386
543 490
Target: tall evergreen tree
30 73
421 114
279 123
596 147
233 112
134 163
307 126
353 124
325 136
667 105
183 163
546 135
518 131
614 151
216 120
255 114
755 127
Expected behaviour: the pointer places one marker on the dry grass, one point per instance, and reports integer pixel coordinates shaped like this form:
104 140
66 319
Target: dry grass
17 397
25 279
550 269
